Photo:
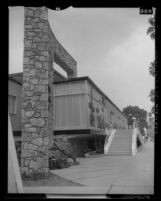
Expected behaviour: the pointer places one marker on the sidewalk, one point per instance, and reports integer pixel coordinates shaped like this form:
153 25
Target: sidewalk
138 177
109 174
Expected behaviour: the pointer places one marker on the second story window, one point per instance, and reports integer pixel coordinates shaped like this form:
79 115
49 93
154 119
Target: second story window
12 104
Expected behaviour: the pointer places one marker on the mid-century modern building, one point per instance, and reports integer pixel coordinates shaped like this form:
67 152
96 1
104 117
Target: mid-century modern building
82 113
42 102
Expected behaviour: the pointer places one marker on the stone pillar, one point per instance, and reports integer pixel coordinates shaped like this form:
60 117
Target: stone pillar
37 104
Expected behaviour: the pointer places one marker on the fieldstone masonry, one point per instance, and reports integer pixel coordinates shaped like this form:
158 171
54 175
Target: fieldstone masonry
41 49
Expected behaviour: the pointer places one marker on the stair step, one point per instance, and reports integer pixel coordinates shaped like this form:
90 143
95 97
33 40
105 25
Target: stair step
123 135
116 144
122 139
120 151
119 141
117 147
122 143
120 154
128 150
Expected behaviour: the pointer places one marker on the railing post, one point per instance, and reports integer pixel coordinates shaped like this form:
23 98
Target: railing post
133 136
134 123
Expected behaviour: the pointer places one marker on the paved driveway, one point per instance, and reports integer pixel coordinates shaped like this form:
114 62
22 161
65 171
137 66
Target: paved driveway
119 174
108 175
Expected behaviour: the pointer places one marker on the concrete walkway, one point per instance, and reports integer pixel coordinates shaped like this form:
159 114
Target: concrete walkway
111 174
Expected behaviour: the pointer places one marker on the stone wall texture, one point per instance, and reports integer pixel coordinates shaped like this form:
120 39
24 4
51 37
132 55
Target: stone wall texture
41 49
37 104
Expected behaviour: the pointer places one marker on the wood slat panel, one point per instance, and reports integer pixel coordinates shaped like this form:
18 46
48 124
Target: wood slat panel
69 88
70 112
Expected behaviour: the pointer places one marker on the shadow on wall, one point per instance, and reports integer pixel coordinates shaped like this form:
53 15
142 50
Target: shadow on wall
138 143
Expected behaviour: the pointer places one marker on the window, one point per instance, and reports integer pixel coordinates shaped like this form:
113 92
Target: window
111 116
12 104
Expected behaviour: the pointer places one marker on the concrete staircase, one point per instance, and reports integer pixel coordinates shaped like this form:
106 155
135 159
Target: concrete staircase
121 143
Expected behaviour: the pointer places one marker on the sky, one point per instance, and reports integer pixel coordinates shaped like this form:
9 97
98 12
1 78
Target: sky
110 45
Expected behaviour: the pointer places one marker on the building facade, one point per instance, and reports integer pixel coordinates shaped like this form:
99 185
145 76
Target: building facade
83 114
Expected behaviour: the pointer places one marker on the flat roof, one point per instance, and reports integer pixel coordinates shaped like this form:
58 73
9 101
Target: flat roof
90 81
17 77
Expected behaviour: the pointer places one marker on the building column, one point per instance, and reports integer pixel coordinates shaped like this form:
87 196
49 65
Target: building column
37 103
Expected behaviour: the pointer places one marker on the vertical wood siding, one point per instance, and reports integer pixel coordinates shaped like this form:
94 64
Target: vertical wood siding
70 110
79 105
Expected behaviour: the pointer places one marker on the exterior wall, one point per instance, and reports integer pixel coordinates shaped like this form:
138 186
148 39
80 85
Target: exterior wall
72 104
102 113
79 105
69 104
16 90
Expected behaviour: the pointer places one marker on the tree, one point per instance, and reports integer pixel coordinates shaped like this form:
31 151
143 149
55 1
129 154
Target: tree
151 29
150 115
151 125
152 68
152 95
139 114
151 32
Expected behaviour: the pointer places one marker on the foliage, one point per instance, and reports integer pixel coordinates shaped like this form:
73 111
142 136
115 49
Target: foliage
152 95
59 163
151 32
152 68
151 29
150 114
152 98
139 114
153 109
64 153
